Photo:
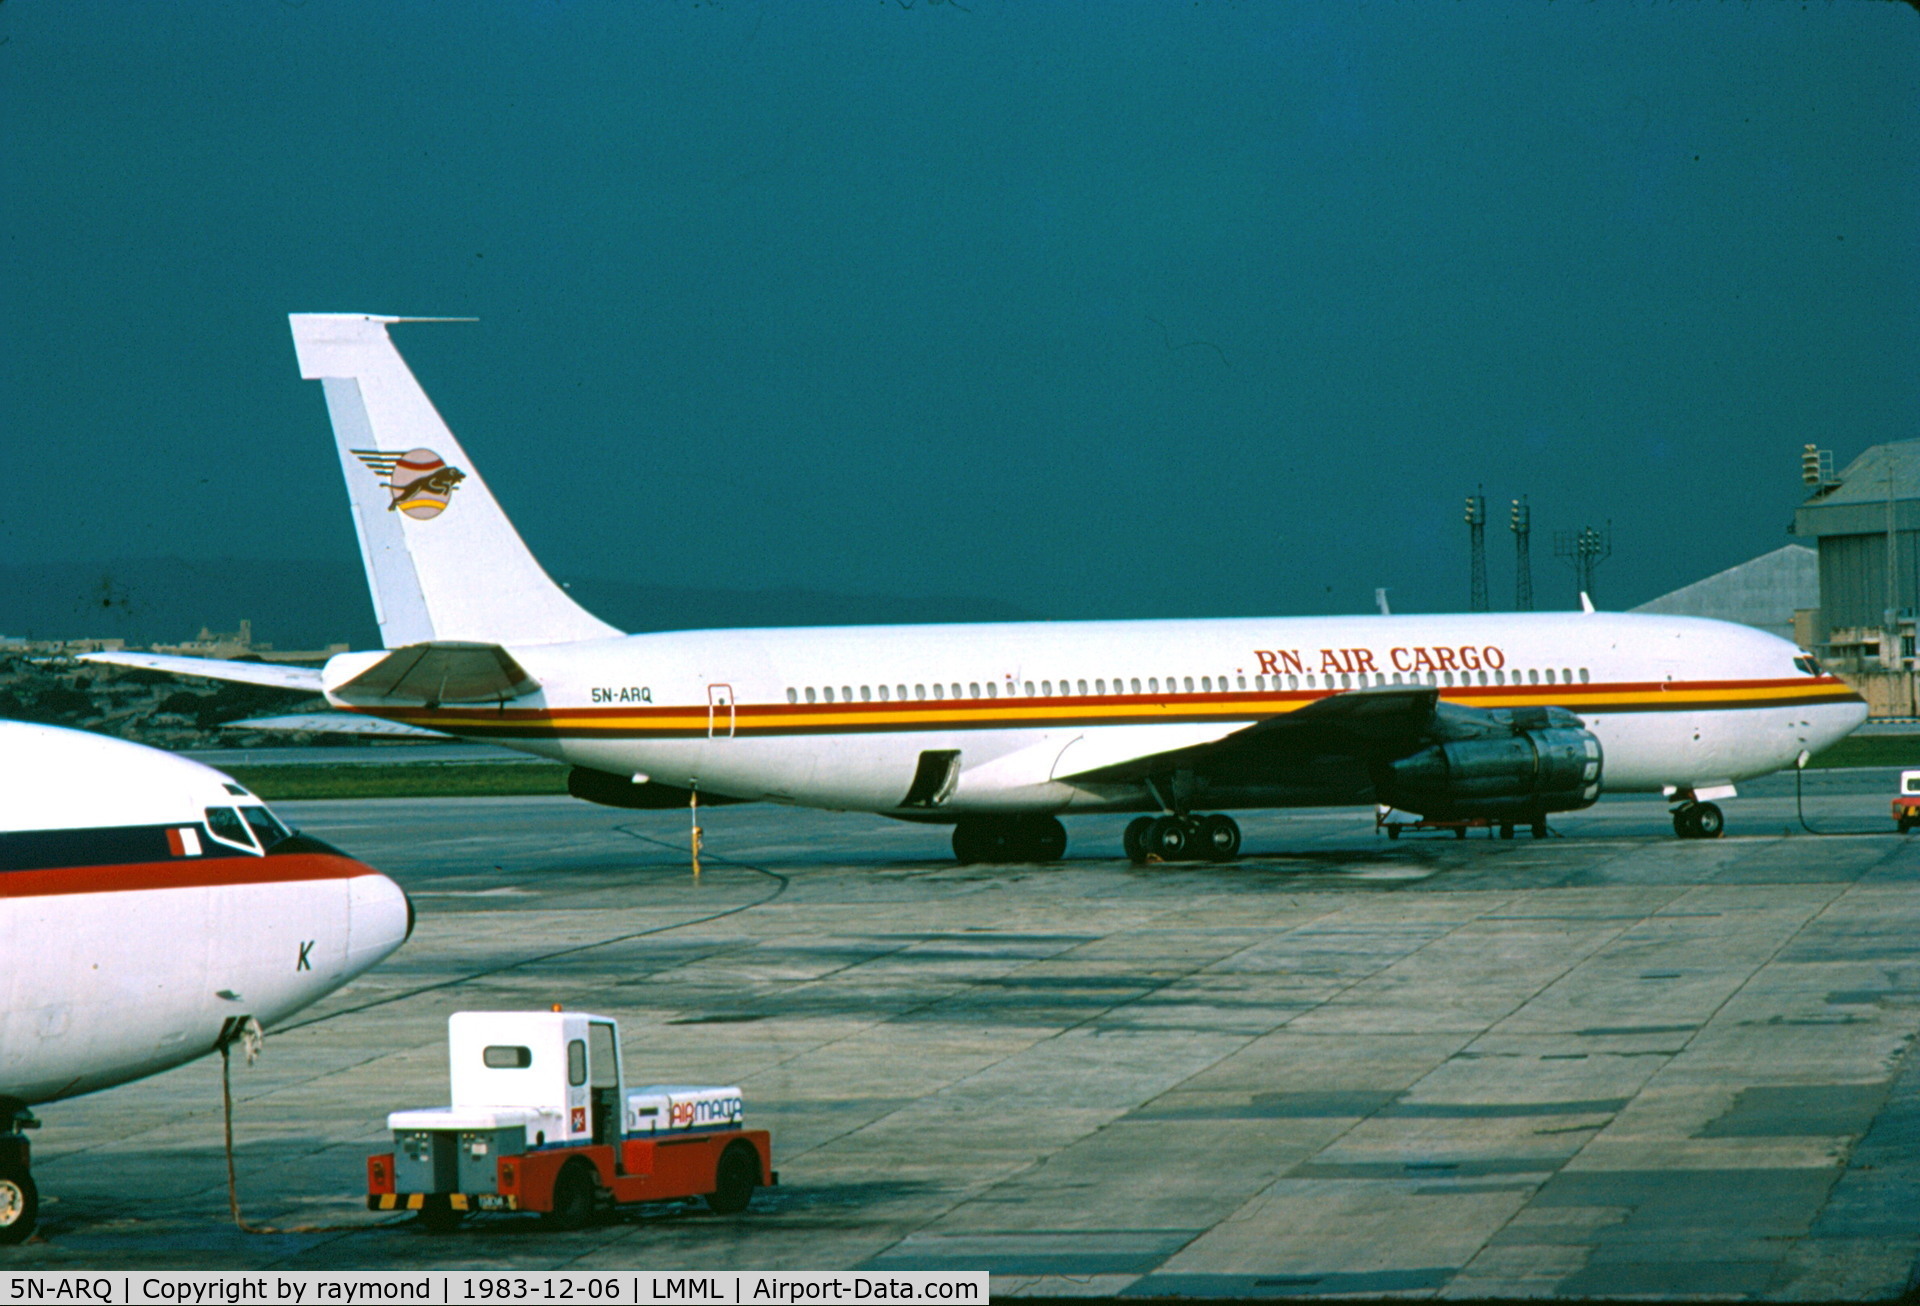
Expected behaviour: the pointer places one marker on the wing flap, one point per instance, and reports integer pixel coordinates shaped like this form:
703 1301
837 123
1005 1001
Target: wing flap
276 674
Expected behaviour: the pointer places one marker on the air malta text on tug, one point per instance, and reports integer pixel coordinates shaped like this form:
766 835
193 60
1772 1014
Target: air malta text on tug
150 908
999 729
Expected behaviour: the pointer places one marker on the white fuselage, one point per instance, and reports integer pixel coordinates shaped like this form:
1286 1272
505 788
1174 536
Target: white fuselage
145 905
839 717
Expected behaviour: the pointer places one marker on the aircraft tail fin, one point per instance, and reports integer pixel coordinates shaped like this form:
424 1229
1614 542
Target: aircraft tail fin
442 560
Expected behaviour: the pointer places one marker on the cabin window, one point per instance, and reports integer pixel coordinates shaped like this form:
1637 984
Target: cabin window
919 691
1533 677
956 690
1566 676
826 693
1548 673
501 1056
1583 675
900 692
793 695
973 691
846 693
1082 690
1029 689
1206 684
1310 680
883 693
1136 684
866 693
1153 684
1099 686
1243 681
809 693
939 691
992 691
1189 684
1046 688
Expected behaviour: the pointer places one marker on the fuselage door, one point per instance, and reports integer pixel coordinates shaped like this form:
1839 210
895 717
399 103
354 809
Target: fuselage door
719 711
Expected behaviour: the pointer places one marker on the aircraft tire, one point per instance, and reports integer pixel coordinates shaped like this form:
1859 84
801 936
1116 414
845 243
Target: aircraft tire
1134 840
1708 822
1219 837
19 1204
1170 837
1683 822
969 846
1045 840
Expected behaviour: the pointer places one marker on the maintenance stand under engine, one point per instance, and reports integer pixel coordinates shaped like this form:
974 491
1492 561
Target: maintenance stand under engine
541 1120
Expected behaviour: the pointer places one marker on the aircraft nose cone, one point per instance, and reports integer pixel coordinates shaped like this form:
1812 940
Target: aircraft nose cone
379 920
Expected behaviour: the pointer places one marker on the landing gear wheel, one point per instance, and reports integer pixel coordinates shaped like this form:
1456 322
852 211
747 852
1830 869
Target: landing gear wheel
1219 838
1683 821
1707 821
438 1216
1506 830
737 1175
1539 827
1046 840
19 1204
973 841
1169 838
1134 840
574 1195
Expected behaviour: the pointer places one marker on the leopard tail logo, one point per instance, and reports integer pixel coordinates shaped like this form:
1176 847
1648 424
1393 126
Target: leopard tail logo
420 482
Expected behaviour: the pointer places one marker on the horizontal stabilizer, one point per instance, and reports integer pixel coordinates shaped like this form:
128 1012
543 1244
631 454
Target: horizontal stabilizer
336 723
446 671
277 674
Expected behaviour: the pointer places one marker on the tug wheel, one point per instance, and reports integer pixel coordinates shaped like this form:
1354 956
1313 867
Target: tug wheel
735 1178
19 1204
574 1192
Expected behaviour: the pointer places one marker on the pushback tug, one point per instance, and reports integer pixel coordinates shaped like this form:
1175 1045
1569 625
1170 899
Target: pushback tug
541 1120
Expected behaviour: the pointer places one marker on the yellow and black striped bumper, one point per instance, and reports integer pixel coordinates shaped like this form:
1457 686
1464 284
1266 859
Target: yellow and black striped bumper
455 1201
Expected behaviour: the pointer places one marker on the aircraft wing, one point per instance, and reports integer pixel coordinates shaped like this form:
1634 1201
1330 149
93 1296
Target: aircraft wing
279 675
337 723
1363 723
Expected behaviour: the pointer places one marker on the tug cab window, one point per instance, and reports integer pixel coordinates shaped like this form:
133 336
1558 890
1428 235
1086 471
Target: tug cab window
502 1056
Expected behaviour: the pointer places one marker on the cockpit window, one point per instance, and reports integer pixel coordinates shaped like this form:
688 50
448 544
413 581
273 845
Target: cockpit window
266 827
225 825
1808 664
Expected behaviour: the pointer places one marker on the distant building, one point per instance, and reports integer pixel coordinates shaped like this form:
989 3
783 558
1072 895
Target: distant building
1866 524
230 646
1778 592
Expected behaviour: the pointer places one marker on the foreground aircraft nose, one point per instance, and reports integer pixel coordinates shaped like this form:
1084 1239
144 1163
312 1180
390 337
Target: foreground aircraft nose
379 920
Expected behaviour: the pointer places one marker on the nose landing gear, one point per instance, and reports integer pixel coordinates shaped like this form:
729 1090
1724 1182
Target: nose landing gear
19 1198
1214 838
1698 821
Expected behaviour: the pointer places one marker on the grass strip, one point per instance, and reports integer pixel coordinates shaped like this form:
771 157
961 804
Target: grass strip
403 780
1869 750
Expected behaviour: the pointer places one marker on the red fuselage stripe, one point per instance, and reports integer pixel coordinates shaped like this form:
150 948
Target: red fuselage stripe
187 873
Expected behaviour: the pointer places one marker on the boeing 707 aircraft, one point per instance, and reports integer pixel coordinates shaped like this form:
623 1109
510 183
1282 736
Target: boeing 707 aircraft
999 729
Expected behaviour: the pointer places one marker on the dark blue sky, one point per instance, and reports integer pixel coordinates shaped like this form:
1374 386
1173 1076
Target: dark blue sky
1098 309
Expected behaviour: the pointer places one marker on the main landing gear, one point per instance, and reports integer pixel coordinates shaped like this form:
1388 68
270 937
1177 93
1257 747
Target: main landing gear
1698 821
1213 838
19 1198
1009 839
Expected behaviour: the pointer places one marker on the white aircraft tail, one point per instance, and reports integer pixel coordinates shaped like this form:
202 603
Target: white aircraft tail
443 561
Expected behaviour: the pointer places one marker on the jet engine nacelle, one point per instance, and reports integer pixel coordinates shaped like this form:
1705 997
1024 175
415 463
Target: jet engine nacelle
1543 761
